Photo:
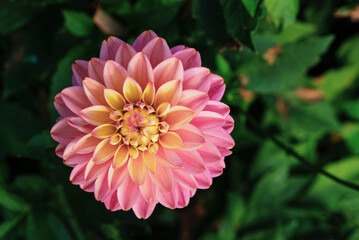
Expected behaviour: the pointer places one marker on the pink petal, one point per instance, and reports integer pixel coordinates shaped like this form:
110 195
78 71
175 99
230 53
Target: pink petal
61 107
80 71
86 144
204 180
93 170
157 51
163 178
94 92
103 51
96 66
101 186
179 116
216 169
207 119
114 75
190 58
60 150
177 48
148 190
69 149
111 201
79 124
75 99
76 159
116 176
217 88
113 44
142 208
185 179
88 186
78 174
104 151
219 137
143 39
184 196
128 193
139 68
169 92
124 54
168 158
62 132
209 153
137 170
194 99
168 199
197 78
191 136
218 107
168 70
192 162
229 124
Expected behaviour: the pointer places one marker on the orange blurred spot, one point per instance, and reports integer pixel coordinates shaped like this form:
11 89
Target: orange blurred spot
309 94
353 14
107 24
271 54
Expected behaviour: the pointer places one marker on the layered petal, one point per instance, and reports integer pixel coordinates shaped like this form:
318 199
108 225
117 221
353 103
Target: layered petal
169 92
124 54
168 70
157 51
95 69
143 39
139 68
189 57
75 99
114 76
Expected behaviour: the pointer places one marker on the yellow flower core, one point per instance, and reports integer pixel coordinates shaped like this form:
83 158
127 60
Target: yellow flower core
138 126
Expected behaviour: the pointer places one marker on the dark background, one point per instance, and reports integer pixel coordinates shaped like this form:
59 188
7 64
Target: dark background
291 69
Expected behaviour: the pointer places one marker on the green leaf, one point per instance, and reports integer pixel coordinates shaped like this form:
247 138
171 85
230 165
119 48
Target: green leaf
291 63
12 202
294 32
311 120
331 193
350 134
251 6
282 12
352 109
349 50
78 23
224 68
238 21
336 81
270 157
8 225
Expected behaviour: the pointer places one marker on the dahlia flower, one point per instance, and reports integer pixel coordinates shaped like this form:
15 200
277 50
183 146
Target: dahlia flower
143 124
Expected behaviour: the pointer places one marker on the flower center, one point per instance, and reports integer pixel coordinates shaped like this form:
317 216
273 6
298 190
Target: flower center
138 126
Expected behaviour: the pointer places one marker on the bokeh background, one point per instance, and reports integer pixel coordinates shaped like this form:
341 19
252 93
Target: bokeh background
291 69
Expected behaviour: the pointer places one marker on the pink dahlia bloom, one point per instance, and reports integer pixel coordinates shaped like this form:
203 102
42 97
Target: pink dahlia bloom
143 124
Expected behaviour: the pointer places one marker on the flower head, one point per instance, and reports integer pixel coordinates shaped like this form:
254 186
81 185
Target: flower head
143 124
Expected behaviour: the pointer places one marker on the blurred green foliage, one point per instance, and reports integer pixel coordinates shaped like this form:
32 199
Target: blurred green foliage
292 65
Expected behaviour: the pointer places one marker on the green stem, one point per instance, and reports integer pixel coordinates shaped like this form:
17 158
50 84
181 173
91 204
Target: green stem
264 134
